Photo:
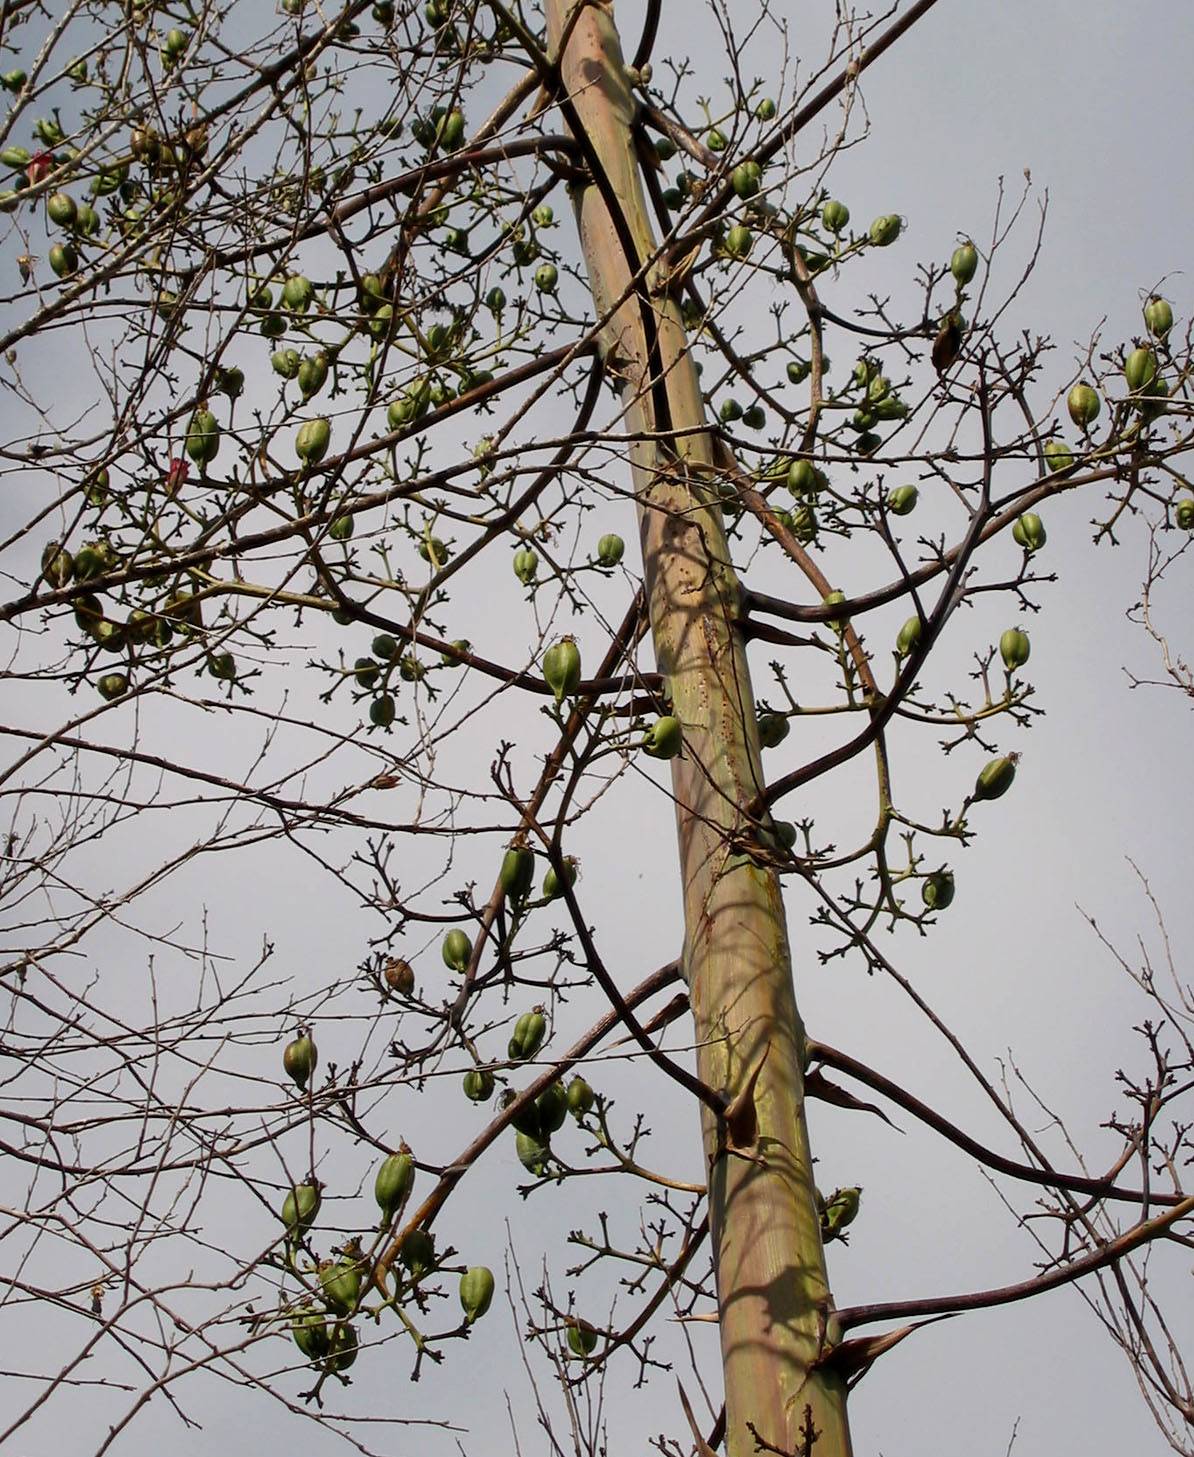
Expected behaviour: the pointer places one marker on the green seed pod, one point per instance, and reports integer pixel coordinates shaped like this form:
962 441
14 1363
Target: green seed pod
765 110
89 611
891 407
755 417
517 873
730 411
582 1337
580 1097
1140 370
995 779
1084 405
311 443
16 158
57 564
476 1292
112 686
833 599
747 178
885 229
417 1251
839 1210
203 437
410 670
715 140
773 729
1058 455
61 209
478 1085
14 80
341 1284
1158 316
222 666
561 668
495 300
739 241
455 658
312 374
1014 648
937 890
456 950
609 550
524 1119
434 551
342 1348
63 259
340 528
395 1179
299 1059
286 362
798 370
297 293
547 278
451 131
300 1208
533 1153
553 884
1157 393
1028 531
384 647
382 711
552 1107
528 1035
1183 513
803 524
664 739
87 220
835 215
310 1333
230 381
802 478
964 263
902 500
908 636
526 564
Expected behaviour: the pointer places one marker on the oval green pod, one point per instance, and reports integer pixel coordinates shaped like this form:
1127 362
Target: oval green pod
995 778
312 441
610 549
456 950
1014 648
517 873
476 1292
478 1084
937 890
528 1035
299 1058
395 1179
561 668
664 739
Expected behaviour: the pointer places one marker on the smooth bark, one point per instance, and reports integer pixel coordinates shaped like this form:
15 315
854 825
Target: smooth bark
772 1287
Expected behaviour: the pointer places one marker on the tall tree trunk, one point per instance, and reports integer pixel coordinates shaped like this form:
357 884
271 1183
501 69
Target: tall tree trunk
773 1292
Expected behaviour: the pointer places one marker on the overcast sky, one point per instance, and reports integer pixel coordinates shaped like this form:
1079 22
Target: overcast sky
1094 101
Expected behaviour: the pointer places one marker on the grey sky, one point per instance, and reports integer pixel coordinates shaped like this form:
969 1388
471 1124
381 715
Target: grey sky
1095 101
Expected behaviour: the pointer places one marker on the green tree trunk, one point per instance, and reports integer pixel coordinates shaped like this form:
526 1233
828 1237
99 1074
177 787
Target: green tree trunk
773 1291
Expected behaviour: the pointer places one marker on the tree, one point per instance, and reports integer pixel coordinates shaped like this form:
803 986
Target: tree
362 200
